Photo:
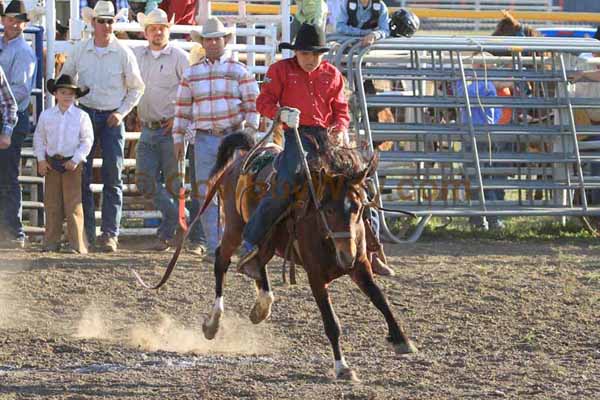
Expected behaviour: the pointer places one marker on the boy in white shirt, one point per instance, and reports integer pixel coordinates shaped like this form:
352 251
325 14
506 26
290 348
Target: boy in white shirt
62 141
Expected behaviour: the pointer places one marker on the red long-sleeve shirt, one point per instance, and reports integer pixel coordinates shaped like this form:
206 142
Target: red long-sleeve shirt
184 10
319 95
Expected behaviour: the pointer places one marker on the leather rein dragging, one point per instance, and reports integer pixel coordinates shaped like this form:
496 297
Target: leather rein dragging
213 185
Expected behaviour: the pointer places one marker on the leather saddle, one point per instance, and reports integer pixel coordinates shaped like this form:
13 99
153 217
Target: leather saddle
252 185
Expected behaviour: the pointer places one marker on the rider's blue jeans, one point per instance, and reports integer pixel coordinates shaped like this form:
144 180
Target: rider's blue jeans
289 180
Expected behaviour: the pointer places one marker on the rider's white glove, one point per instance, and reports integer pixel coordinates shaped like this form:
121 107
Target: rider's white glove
290 116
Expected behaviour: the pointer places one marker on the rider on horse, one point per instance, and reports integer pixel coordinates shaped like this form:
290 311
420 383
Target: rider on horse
315 88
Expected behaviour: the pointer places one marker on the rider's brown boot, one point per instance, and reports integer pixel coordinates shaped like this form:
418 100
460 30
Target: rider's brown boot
249 264
379 266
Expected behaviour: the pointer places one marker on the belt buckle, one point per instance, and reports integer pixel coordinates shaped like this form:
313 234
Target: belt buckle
154 124
58 157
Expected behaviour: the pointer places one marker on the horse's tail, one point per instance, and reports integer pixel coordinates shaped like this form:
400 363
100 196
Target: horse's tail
228 146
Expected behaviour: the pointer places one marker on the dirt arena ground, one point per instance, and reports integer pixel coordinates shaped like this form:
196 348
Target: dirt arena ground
492 319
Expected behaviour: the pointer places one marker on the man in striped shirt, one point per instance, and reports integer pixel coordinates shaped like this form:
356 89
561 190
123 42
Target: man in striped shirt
216 96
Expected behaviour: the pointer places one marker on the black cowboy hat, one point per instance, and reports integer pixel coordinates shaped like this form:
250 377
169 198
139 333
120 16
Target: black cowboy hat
309 38
65 81
15 8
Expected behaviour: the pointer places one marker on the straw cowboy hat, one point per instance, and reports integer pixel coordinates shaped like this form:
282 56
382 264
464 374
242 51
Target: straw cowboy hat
102 9
309 38
15 8
155 17
213 28
65 81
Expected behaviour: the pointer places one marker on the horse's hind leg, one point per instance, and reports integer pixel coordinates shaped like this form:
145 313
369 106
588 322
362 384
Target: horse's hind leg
332 329
363 277
264 297
223 254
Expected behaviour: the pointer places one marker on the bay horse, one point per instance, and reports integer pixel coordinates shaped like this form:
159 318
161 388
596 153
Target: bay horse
328 242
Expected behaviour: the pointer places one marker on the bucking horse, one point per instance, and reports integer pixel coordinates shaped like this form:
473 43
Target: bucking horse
323 230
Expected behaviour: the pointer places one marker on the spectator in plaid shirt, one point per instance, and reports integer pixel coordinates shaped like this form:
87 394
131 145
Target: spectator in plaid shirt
216 97
8 111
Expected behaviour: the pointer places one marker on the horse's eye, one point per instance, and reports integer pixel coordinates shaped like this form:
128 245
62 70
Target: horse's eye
329 211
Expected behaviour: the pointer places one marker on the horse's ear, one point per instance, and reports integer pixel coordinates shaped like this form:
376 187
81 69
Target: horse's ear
373 164
369 170
505 13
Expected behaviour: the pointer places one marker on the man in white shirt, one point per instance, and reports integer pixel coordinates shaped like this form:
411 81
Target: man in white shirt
161 66
109 69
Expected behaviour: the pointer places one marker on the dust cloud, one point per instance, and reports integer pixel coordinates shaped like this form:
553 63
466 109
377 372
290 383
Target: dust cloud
235 336
12 308
163 332
92 325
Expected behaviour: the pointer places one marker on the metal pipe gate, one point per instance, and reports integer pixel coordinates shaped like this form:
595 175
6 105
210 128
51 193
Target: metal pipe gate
443 163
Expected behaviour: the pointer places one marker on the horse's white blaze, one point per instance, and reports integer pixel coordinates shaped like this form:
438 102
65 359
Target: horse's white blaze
340 365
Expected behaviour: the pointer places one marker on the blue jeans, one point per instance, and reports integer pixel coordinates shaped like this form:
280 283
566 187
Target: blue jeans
112 142
490 194
155 165
197 233
289 179
205 149
10 190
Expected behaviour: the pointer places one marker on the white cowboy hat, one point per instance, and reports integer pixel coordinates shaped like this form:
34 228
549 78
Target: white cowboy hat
213 28
102 9
155 17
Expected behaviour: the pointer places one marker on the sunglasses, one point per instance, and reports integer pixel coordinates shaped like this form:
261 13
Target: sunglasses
109 21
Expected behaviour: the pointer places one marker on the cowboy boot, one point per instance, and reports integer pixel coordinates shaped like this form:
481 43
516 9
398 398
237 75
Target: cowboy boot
379 264
249 263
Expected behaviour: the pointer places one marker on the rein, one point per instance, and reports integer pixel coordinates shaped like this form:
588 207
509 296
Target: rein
329 234
213 184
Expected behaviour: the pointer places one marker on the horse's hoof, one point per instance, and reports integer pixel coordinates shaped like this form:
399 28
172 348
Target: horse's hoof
346 374
210 329
405 348
259 313
262 307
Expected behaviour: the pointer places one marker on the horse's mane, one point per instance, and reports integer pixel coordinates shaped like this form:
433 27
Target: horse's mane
510 26
336 161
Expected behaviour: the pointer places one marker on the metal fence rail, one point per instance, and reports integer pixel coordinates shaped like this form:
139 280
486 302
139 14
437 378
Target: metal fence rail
442 162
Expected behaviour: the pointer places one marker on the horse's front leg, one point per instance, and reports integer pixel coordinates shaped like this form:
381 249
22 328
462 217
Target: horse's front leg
363 277
332 329
210 326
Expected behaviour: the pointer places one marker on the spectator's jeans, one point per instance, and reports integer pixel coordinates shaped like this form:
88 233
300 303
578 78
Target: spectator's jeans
205 148
197 233
10 190
489 194
112 142
155 155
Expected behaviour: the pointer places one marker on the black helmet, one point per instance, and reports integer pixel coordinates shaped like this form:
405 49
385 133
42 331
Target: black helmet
404 23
